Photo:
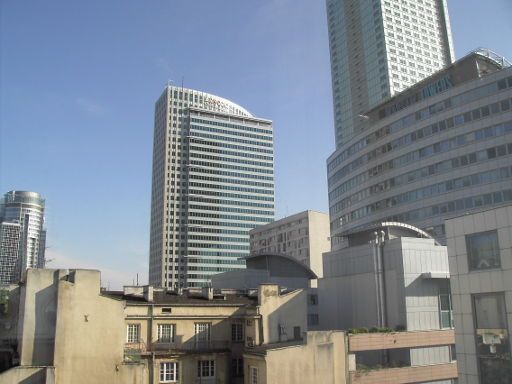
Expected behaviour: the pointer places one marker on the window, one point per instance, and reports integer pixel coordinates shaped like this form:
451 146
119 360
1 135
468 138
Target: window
312 319
237 332
206 368
313 299
492 341
483 250
133 333
203 332
237 367
166 332
169 372
253 375
445 305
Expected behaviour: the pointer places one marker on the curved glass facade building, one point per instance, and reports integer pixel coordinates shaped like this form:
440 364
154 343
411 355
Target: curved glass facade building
379 48
22 236
441 148
213 181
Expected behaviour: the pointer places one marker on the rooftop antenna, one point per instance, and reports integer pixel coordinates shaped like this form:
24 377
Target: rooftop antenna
182 81
137 279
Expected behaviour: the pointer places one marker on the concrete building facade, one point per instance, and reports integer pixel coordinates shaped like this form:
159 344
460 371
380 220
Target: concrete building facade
65 331
391 276
213 181
379 48
303 236
442 146
22 234
480 257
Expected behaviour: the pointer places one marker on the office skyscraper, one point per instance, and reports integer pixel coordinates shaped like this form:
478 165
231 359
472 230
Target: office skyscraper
213 181
379 48
443 147
22 237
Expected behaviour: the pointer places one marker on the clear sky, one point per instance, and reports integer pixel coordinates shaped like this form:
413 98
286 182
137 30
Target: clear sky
78 82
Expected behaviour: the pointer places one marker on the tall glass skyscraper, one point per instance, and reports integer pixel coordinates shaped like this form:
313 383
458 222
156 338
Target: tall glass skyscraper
22 237
213 181
379 48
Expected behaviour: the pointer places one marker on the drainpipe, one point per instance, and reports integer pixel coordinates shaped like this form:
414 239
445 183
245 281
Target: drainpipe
380 274
378 264
380 285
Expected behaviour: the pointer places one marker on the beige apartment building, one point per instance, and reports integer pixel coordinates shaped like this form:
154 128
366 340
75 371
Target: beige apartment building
303 236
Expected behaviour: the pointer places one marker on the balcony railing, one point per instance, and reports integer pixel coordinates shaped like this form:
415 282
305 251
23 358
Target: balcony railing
418 374
190 346
134 351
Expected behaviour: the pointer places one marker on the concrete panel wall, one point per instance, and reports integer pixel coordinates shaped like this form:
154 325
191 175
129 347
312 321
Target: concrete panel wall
28 375
281 313
37 317
321 359
89 342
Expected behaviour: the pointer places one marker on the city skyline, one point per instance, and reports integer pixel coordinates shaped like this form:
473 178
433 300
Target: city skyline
75 124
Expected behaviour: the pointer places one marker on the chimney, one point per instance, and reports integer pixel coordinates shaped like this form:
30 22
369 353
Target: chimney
207 293
148 293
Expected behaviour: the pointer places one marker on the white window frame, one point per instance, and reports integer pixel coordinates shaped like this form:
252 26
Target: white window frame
253 375
203 331
205 368
169 372
166 337
133 333
237 332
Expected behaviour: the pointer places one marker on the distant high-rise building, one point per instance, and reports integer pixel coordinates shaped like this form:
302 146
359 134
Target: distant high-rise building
213 181
22 237
303 236
379 48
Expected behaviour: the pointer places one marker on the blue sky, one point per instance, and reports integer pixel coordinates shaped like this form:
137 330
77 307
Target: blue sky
78 82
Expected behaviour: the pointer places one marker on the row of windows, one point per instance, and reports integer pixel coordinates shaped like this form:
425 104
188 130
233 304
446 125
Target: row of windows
219 164
444 208
231 174
198 277
229 209
216 230
196 140
219 246
208 269
227 132
224 159
218 224
417 174
230 217
233 188
234 181
218 238
431 191
229 202
411 119
193 260
421 133
224 139
227 195
234 126
439 147
228 153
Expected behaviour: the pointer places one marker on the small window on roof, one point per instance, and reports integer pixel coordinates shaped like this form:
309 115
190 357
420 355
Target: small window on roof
166 310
